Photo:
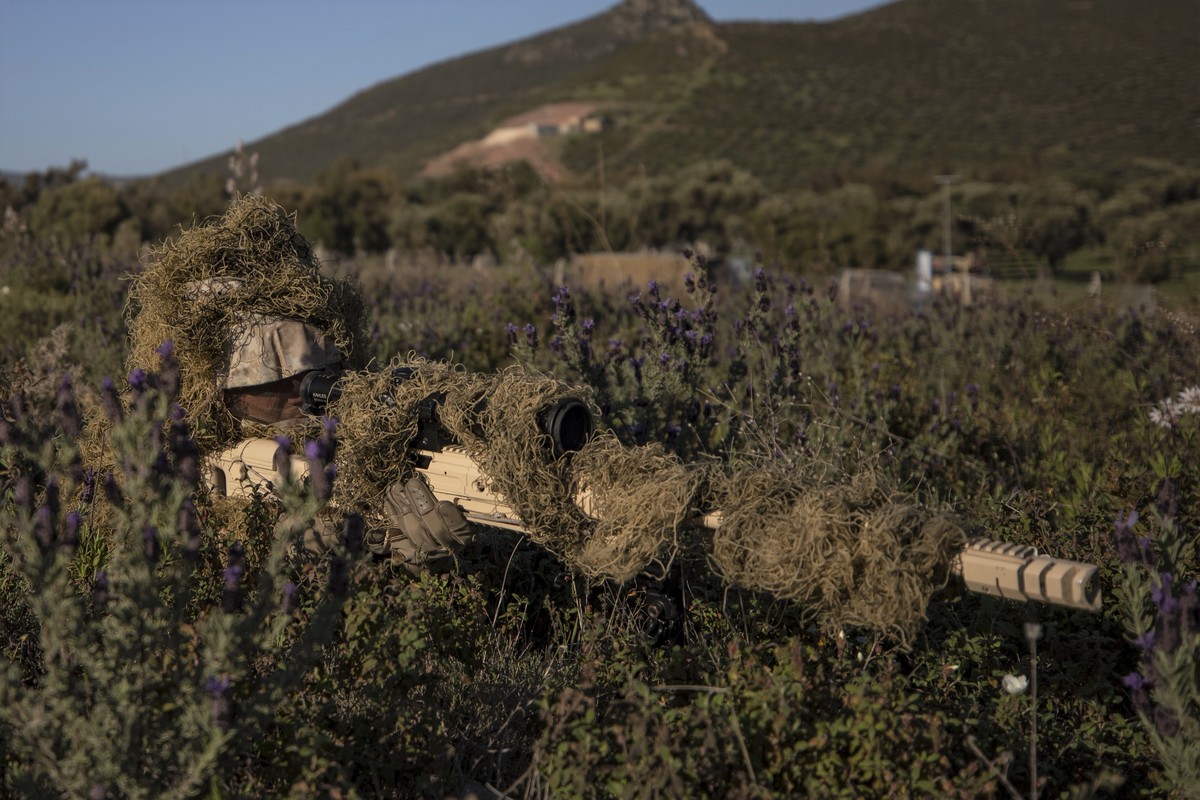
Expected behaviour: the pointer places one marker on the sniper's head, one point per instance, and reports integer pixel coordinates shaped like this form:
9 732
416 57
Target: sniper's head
268 358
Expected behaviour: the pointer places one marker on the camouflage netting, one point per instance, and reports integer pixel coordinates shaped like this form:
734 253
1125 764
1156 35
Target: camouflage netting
197 289
852 554
642 494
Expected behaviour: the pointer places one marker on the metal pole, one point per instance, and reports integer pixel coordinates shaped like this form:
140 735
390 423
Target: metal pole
947 181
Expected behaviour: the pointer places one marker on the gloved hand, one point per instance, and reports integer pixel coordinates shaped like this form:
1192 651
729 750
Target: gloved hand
425 532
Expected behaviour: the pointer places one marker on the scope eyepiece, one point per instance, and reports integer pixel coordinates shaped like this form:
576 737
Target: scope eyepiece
318 389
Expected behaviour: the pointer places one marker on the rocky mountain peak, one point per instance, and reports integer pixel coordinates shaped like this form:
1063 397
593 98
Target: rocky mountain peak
636 18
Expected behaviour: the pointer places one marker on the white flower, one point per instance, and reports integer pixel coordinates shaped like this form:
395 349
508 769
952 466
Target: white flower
1189 400
1160 415
1015 684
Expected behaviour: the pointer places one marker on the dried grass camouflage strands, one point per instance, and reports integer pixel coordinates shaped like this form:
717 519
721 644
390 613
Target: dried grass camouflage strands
641 495
852 554
198 288
643 498
378 421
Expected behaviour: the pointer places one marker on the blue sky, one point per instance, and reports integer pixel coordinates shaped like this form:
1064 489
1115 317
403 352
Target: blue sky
139 86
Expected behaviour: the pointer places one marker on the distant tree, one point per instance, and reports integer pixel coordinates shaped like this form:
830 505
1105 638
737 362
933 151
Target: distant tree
77 211
713 198
348 209
459 226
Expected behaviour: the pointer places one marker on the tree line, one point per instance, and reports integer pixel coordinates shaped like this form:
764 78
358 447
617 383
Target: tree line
1144 227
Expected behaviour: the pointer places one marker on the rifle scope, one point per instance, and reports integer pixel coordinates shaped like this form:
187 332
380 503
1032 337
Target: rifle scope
568 421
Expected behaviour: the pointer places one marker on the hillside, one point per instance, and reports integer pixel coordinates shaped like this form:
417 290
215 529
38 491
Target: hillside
1003 89
998 89
399 123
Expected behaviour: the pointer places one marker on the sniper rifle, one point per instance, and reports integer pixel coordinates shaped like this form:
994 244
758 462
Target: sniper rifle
984 566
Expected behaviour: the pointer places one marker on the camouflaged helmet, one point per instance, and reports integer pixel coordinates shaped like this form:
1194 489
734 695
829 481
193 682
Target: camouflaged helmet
265 349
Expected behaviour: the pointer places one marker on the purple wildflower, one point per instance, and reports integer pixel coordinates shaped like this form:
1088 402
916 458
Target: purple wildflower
66 410
1137 686
71 535
189 525
291 600
168 374
231 594
1123 538
100 589
219 690
110 401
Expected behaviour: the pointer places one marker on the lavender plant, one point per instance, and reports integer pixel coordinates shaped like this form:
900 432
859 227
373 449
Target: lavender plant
1158 600
142 690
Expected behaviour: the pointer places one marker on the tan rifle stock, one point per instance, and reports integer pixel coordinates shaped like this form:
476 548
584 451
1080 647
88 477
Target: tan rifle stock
1010 571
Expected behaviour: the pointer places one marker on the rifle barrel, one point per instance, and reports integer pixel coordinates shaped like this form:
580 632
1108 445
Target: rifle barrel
1010 571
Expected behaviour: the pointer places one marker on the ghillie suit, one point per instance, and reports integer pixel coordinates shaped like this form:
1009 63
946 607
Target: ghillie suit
199 290
639 498
823 547
853 554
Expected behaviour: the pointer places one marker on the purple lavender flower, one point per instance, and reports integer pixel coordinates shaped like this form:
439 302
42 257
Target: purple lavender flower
219 690
531 337
66 410
231 594
110 401
189 525
100 589
291 600
70 538
320 453
137 379
1147 552
168 374
1123 538
1137 691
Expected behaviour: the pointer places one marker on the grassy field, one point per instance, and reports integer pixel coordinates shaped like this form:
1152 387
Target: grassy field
158 643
